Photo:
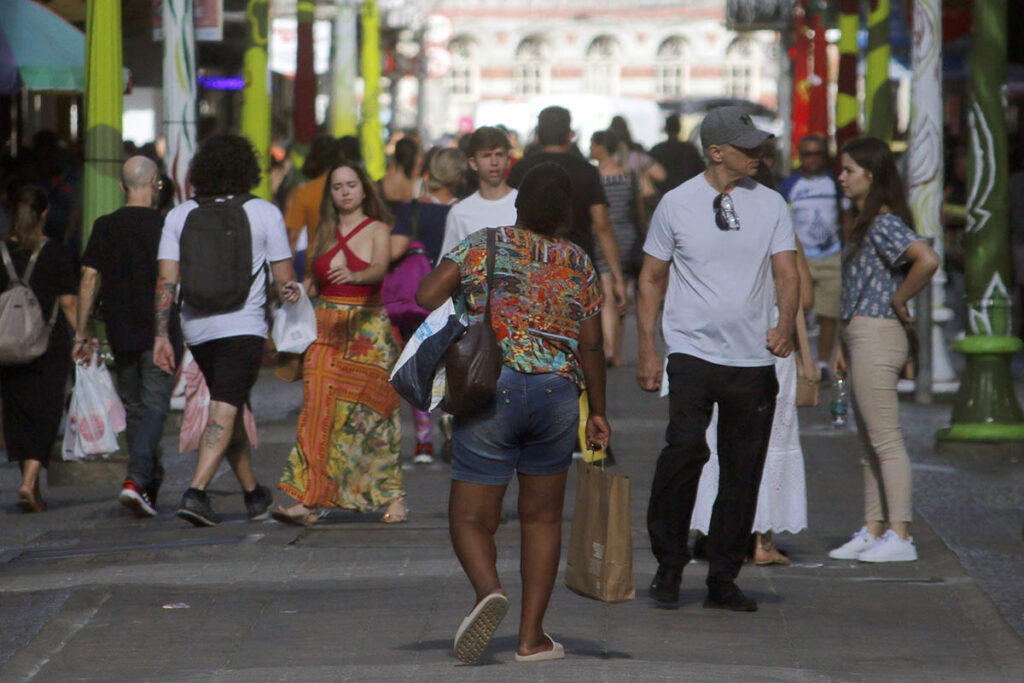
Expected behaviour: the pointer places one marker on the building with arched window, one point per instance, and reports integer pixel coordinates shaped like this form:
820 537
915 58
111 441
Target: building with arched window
505 52
531 67
672 68
601 74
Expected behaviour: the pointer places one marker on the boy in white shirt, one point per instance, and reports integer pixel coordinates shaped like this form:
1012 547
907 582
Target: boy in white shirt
494 203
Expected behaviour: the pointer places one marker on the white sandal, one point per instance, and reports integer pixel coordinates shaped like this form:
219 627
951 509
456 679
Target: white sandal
556 652
478 627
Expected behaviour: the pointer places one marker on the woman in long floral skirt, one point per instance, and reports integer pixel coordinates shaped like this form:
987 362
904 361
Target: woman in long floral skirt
348 438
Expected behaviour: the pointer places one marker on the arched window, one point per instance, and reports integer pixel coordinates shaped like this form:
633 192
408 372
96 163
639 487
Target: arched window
530 76
671 70
602 71
464 77
741 69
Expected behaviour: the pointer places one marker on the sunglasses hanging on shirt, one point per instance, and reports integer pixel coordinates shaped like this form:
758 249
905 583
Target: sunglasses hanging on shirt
725 213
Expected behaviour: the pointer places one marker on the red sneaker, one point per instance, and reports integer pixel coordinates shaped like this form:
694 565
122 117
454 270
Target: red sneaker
135 500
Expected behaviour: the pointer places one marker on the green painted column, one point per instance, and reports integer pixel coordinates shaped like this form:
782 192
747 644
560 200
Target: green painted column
986 408
371 133
847 106
104 89
256 93
878 105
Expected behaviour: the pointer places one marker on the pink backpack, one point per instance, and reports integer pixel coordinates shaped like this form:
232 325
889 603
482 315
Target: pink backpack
398 289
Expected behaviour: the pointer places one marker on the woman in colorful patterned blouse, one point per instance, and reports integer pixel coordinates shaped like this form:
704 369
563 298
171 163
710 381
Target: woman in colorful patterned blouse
348 438
885 263
544 308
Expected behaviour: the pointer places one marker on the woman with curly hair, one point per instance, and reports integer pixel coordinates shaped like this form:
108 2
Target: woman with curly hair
348 439
885 263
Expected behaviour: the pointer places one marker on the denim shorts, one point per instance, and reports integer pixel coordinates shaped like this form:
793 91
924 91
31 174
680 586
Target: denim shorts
530 427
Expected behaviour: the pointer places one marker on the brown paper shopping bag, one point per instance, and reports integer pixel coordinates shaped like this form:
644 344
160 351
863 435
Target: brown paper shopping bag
600 561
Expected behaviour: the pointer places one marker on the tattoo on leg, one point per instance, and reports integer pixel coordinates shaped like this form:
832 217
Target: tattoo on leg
212 434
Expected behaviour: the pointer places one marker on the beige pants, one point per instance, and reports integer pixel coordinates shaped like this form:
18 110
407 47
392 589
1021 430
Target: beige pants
876 351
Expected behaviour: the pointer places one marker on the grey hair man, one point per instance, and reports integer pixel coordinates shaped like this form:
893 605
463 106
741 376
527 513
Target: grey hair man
718 241
119 270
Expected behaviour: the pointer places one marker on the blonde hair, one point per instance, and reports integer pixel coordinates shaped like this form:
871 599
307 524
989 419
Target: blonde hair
446 167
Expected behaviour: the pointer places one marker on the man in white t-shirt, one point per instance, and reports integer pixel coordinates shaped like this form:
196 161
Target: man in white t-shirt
494 204
227 345
815 203
718 241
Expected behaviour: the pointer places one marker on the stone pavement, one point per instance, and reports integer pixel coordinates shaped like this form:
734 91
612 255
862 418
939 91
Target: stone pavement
87 593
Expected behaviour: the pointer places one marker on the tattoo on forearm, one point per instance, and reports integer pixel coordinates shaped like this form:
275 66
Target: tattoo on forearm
212 434
166 293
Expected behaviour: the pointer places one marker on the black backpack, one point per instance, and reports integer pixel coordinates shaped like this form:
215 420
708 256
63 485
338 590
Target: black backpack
216 255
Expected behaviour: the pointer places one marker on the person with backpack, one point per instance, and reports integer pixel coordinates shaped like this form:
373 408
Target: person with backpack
119 268
418 233
214 248
37 280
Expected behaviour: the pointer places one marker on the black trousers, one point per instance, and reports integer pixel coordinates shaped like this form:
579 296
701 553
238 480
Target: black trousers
746 407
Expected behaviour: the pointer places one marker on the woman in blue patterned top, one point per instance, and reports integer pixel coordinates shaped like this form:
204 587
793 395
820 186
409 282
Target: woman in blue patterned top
885 263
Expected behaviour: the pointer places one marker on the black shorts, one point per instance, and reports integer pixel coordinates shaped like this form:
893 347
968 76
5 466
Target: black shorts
230 366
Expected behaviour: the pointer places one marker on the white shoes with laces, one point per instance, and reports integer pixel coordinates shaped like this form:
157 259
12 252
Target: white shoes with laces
852 549
890 548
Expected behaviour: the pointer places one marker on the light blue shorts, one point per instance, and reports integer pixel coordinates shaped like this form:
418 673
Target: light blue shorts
530 427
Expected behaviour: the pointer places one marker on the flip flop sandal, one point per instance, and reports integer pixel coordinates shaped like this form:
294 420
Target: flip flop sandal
297 518
556 652
396 517
478 628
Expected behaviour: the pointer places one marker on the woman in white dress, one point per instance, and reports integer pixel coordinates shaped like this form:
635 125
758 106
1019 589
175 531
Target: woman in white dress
782 498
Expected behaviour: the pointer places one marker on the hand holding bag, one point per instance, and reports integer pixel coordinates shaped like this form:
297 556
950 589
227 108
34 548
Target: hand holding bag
294 326
600 560
473 363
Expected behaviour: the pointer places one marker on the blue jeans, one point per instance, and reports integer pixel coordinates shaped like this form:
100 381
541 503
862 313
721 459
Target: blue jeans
145 391
529 427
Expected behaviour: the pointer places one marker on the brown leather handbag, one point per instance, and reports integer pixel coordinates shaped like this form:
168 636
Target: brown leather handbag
473 363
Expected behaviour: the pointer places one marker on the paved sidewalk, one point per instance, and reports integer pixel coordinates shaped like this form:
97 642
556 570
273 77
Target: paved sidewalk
88 593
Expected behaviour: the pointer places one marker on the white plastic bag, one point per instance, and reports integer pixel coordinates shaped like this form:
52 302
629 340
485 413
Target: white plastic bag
96 415
294 326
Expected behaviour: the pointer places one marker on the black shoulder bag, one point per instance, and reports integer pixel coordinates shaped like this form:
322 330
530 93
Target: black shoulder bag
473 363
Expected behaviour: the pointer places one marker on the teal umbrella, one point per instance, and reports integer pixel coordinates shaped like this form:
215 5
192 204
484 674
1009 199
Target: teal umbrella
38 49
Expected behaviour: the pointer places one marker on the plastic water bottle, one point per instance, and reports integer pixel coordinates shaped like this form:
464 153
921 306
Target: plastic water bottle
840 404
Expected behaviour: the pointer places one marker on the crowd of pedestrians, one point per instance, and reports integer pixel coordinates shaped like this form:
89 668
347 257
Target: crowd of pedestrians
691 237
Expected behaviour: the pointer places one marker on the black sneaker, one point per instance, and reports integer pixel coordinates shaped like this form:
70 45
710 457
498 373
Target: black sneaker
729 596
258 502
665 586
196 508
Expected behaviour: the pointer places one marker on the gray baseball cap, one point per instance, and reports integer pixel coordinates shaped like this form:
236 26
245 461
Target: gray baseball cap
731 126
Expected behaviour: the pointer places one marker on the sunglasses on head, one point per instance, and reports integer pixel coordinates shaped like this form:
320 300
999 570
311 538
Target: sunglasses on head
725 213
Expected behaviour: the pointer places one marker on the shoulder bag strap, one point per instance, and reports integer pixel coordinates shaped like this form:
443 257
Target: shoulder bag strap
32 262
8 265
491 238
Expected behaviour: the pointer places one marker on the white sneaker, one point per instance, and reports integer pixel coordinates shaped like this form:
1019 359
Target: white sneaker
852 549
891 548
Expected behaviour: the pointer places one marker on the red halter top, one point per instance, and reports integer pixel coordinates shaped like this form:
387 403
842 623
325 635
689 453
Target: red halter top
323 264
